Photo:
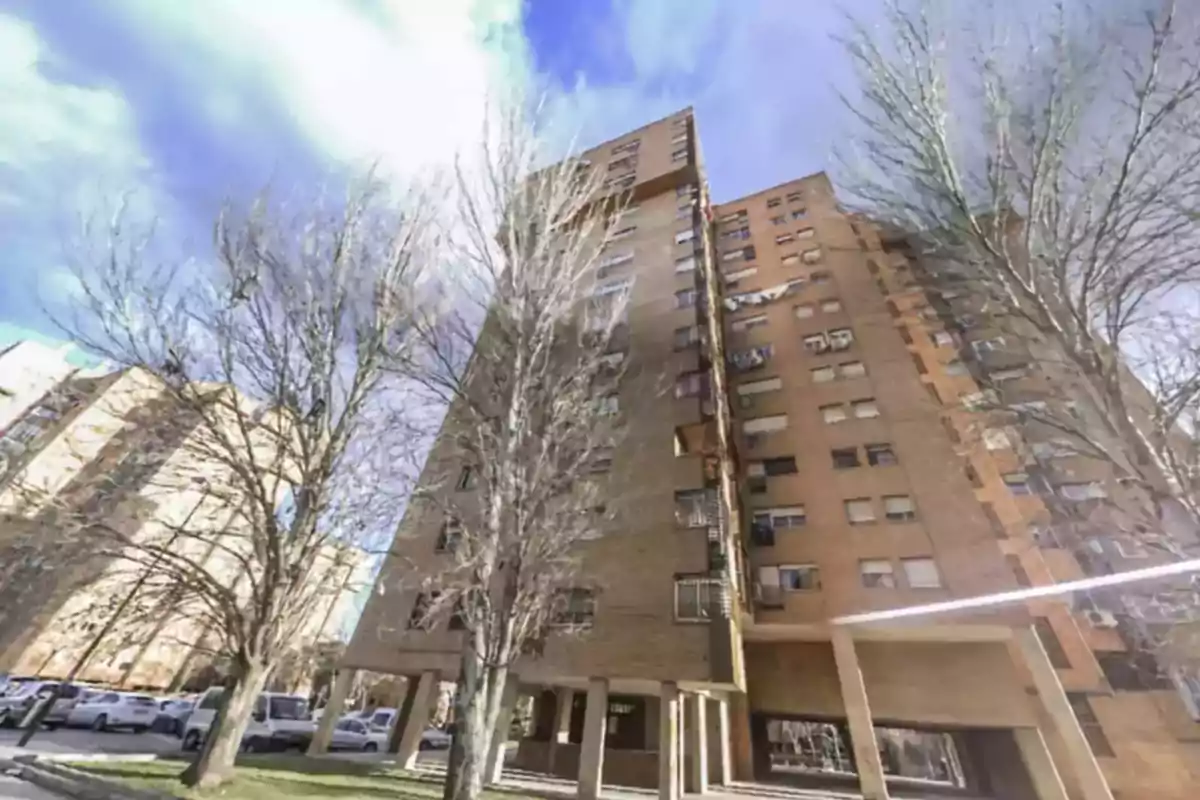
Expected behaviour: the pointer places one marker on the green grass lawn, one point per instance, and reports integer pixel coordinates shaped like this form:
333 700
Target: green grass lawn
265 777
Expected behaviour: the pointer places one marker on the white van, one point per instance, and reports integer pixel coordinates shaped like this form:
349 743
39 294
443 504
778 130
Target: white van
280 722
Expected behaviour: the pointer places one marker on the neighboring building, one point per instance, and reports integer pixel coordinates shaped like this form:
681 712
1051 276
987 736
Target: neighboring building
113 448
28 371
823 465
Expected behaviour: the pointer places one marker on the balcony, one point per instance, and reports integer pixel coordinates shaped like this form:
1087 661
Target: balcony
696 508
768 596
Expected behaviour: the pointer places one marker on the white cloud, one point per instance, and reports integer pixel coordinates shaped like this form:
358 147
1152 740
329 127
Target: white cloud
405 84
65 151
49 129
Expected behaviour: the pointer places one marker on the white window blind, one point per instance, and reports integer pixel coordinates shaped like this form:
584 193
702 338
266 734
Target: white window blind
777 422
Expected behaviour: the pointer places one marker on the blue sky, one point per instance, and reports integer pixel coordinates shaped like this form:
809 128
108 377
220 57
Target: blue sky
179 103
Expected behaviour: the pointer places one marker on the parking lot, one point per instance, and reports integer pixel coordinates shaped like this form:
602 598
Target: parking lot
67 741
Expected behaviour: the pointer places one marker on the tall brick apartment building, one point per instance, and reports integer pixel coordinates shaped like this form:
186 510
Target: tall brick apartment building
818 458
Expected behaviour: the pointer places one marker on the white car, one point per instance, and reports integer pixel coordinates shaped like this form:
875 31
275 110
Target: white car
435 739
279 722
102 711
353 734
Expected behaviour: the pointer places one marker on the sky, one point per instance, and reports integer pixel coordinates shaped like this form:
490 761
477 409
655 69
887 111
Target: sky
172 105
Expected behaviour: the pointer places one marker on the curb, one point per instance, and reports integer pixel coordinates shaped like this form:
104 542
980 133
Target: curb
75 783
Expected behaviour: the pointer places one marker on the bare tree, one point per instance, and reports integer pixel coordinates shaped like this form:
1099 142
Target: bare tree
268 445
1052 171
526 354
1044 174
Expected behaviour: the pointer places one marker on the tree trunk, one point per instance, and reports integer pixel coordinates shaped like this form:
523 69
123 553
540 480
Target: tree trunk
214 765
476 709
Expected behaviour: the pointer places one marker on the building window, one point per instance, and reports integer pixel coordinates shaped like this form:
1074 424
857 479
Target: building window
804 311
685 235
686 337
943 339
921 573
790 260
419 617
685 264
844 457
865 409
691 384
783 465
876 573
852 369
751 359
996 439
805 233
823 374
607 404
733 216
1082 491
785 517
1090 724
680 154
1018 483
607 265
685 298
881 455
736 233
778 220
773 202
820 276
899 508
799 213
733 278
800 577
811 257
622 233
831 306
697 599
615 287
691 508
816 343
1018 570
833 413
601 460
759 387
860 511
466 479
1050 642
449 537
574 607
783 238
746 323
955 368
628 147
777 422
840 338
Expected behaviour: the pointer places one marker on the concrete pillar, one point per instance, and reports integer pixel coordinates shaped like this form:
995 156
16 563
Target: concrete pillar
1040 765
333 711
1083 764
413 724
696 738
508 704
858 716
739 736
591 750
668 742
725 760
564 701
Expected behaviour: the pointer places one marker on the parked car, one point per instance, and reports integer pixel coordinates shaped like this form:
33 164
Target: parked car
10 683
280 722
17 703
434 739
173 715
354 734
381 719
102 711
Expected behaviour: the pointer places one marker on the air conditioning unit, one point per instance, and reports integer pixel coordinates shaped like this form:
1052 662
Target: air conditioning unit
1101 619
